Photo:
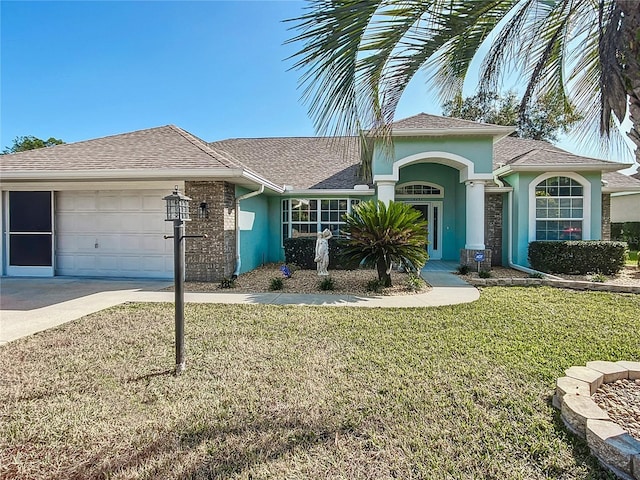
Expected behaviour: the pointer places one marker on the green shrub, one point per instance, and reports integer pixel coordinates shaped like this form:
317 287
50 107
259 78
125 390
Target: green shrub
627 232
599 278
375 285
276 284
463 269
484 274
326 283
302 250
577 257
227 283
414 282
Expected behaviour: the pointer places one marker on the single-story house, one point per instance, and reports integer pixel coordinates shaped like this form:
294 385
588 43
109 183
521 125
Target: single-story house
95 208
625 204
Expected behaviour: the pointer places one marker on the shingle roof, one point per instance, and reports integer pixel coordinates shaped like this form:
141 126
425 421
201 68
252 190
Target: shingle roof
519 152
617 181
167 147
424 121
302 162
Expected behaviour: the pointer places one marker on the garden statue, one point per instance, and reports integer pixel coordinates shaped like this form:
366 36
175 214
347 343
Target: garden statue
322 252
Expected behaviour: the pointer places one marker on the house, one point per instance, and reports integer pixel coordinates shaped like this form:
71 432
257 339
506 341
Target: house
95 208
625 204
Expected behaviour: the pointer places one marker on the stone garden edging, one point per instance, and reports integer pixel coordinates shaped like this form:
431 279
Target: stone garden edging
547 282
611 444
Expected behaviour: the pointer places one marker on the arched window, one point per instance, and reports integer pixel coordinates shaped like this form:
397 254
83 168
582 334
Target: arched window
559 209
419 189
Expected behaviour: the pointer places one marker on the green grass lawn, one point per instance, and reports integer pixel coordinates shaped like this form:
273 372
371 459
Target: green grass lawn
460 392
633 258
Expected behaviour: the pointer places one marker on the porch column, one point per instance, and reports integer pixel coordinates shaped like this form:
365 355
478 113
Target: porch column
386 190
475 215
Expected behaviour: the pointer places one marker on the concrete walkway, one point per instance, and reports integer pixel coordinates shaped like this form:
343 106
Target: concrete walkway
30 305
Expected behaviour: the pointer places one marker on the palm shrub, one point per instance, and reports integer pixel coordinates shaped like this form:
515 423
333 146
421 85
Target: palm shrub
379 234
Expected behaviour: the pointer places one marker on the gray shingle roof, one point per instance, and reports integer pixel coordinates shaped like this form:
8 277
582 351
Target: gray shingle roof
167 147
519 152
424 121
617 181
302 162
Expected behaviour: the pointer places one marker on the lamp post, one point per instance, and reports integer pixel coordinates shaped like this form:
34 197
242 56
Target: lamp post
178 213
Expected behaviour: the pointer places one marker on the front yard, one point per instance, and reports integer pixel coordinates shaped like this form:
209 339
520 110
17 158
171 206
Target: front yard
311 392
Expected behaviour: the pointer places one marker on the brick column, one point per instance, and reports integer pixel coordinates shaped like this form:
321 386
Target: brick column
493 226
210 259
606 216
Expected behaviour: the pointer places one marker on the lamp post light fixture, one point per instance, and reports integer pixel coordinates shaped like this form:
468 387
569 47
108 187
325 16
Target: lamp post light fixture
178 213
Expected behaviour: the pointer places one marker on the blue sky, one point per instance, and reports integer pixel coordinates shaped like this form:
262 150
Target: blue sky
85 69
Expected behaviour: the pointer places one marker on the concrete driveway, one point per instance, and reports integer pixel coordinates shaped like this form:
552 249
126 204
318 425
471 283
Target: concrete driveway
30 305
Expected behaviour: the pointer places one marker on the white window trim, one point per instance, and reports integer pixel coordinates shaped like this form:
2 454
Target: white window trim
319 221
586 202
426 184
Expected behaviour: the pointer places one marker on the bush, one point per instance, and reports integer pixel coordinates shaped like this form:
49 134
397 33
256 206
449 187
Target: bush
484 274
302 250
276 284
627 232
463 269
599 278
228 283
326 283
577 257
414 282
375 285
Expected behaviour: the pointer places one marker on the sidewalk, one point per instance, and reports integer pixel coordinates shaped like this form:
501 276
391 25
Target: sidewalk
33 305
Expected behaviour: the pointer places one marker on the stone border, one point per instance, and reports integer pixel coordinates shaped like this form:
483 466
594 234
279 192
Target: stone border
611 444
548 282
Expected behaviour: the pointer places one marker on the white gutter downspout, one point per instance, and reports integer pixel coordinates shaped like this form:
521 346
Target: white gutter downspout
236 272
510 244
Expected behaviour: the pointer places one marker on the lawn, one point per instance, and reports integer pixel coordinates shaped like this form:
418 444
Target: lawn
454 392
632 260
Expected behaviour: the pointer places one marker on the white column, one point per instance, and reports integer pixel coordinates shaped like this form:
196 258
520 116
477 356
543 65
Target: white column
475 215
386 190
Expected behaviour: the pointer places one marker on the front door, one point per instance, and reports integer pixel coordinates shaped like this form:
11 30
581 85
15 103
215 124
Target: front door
432 212
30 234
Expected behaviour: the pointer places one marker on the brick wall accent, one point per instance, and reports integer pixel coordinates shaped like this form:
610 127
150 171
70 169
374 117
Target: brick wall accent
210 259
493 226
467 257
606 216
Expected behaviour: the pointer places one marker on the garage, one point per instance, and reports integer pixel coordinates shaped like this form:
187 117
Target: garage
112 233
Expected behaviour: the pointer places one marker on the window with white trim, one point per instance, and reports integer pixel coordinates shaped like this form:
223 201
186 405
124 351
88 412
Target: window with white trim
559 209
305 217
419 189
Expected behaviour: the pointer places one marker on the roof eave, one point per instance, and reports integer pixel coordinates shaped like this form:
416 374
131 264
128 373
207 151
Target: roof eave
561 167
496 132
330 191
626 190
242 176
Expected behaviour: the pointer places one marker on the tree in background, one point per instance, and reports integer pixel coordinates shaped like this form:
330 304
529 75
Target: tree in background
378 234
542 120
22 144
357 58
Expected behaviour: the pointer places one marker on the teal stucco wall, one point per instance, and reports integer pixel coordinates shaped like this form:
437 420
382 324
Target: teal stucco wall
478 150
521 235
453 203
254 230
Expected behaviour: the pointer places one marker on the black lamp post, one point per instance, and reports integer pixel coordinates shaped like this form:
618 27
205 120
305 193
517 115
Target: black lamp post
178 213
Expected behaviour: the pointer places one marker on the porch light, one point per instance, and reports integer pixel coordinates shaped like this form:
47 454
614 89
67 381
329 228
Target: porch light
203 210
177 206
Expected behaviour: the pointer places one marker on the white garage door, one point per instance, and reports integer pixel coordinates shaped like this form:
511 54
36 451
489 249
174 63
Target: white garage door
112 234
